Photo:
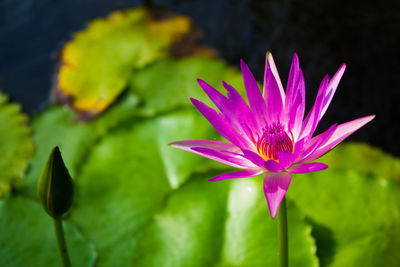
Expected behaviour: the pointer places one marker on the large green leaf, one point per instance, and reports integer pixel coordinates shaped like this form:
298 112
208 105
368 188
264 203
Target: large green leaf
364 158
27 237
131 172
96 64
355 216
15 144
379 248
220 224
126 177
56 127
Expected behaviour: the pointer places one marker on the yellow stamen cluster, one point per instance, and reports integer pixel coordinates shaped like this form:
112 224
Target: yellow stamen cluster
274 140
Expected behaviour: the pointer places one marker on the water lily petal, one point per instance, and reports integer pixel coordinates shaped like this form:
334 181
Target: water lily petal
230 160
285 159
253 157
295 99
291 90
275 187
307 167
298 148
237 174
243 112
332 86
216 97
341 132
273 166
220 123
295 114
272 94
316 142
256 101
324 98
312 119
211 144
236 113
269 61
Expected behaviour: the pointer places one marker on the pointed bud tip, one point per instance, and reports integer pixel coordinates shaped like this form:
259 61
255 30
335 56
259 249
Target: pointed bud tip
55 187
56 151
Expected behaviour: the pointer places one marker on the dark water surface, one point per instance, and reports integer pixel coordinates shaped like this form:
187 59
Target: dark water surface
365 35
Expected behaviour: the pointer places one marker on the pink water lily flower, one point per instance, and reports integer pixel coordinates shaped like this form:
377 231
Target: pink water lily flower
270 137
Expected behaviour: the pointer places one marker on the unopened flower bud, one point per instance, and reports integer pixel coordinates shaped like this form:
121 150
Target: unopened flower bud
55 186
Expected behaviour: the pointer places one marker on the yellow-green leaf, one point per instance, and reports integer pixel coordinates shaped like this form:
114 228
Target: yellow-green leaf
96 64
15 144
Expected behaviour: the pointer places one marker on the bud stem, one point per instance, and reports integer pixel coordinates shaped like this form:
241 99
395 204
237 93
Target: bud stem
283 254
62 246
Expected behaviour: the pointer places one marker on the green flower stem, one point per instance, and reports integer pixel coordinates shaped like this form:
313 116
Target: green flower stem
283 254
62 246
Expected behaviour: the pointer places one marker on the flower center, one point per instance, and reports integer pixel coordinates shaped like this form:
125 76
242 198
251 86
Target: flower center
273 140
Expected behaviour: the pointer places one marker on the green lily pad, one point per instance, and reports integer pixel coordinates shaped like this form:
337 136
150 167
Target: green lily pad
97 63
354 215
368 160
169 83
27 237
56 127
15 144
129 175
376 249
220 224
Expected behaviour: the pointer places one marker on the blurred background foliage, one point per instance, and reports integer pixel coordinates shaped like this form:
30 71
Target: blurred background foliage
325 34
121 93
